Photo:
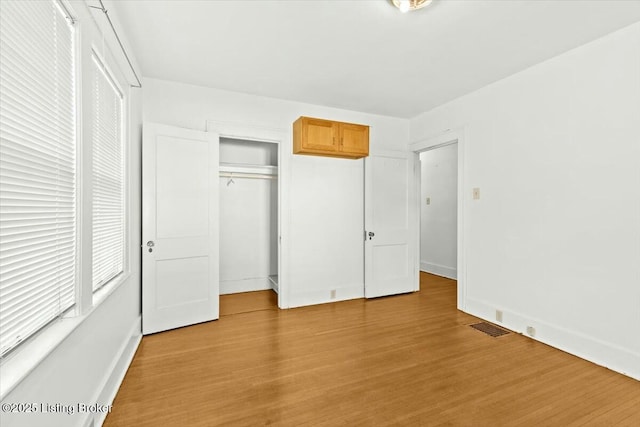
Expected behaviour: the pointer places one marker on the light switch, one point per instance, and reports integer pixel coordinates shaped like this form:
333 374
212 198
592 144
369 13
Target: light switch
476 193
428 200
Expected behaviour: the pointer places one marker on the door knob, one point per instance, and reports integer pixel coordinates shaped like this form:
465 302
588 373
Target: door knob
371 234
150 243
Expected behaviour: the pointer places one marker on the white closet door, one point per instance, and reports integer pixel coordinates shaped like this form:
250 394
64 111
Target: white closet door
391 225
179 227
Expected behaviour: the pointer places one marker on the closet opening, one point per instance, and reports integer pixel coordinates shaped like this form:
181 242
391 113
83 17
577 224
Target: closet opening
249 225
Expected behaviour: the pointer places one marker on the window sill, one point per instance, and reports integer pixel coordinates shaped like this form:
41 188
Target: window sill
29 355
106 290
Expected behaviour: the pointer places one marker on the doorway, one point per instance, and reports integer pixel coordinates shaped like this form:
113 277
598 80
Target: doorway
453 148
253 216
248 189
438 210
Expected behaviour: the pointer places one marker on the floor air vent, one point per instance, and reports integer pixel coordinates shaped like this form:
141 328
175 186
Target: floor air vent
489 329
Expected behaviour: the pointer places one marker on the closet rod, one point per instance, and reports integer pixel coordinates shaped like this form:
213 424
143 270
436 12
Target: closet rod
247 175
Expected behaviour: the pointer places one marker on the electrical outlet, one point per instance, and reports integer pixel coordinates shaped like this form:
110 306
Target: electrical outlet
476 193
531 331
498 315
333 294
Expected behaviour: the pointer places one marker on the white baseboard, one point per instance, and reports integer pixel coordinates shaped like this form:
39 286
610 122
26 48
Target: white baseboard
115 375
245 285
601 353
274 283
324 296
439 270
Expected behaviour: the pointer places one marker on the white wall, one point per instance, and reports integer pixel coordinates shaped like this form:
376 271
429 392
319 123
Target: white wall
554 240
254 153
439 218
326 194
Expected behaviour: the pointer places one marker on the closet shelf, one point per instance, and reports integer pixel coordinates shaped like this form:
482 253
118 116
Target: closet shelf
229 168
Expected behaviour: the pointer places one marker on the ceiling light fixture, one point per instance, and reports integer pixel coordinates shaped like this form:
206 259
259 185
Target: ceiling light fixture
409 5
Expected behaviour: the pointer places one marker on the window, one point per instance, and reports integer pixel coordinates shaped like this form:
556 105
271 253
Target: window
108 176
45 169
38 203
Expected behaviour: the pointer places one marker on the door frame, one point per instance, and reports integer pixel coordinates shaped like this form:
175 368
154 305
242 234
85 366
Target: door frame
449 137
249 132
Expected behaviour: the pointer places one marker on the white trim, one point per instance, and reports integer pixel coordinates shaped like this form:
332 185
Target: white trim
585 347
249 132
323 296
103 65
439 270
23 360
274 282
68 11
415 207
83 152
282 137
446 138
385 152
118 369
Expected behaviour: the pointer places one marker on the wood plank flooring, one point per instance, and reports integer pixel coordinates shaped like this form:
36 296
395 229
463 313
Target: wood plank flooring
408 360
247 302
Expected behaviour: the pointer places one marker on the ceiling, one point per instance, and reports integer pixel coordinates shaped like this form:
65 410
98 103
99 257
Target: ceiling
361 55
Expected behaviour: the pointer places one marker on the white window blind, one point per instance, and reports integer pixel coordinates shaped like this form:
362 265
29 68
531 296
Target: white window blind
37 168
108 176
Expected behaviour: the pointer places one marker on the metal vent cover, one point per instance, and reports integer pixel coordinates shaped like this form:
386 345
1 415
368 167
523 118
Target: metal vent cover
489 329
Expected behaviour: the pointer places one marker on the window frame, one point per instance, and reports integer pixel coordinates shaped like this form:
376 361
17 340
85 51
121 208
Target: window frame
93 43
125 143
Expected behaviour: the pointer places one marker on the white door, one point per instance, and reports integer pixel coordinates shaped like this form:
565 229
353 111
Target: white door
391 225
179 227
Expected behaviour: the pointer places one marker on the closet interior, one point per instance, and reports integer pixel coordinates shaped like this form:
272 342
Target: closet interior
248 216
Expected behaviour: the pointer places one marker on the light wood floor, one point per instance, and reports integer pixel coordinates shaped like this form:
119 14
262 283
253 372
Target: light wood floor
247 302
408 360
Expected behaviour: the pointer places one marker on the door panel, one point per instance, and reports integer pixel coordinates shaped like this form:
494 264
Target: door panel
192 273
181 177
390 246
180 222
390 261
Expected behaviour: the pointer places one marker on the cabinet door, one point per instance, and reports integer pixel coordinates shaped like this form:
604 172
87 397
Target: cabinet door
319 135
354 139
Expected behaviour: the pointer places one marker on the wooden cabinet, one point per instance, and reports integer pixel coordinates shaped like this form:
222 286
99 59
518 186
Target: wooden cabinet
319 137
